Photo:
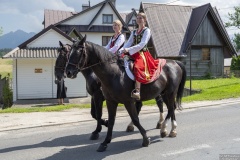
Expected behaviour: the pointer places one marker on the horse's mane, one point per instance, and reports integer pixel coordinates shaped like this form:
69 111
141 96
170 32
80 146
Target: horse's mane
102 52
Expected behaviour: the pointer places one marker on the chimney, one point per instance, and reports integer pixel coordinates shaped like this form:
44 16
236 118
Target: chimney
86 6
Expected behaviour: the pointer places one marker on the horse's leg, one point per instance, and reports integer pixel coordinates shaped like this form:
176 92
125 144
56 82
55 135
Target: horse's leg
112 109
134 116
97 102
159 102
138 105
169 101
173 132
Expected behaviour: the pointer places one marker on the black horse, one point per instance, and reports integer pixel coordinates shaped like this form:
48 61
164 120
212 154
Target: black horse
117 86
93 88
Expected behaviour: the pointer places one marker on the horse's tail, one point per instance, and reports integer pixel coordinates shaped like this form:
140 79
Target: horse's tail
181 85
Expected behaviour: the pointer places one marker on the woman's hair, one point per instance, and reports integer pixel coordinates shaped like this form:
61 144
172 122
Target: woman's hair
119 23
142 15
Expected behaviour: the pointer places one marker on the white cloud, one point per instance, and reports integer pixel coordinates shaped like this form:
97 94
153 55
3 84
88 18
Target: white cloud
28 15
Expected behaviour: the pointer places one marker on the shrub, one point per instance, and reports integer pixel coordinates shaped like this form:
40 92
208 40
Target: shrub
235 64
7 95
208 75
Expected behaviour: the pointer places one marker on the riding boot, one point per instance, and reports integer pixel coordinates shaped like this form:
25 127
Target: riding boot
136 92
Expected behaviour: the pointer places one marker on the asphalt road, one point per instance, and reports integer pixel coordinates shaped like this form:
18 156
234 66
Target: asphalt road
203 134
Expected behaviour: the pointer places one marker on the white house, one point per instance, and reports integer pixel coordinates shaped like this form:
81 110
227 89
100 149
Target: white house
34 60
33 67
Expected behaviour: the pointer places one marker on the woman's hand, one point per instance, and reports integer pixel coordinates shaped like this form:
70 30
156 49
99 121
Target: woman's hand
125 50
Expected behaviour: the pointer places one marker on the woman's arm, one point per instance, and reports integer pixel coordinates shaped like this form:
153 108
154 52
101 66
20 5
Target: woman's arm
128 44
146 36
117 44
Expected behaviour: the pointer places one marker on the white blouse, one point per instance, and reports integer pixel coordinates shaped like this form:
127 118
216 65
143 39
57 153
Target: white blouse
134 49
117 45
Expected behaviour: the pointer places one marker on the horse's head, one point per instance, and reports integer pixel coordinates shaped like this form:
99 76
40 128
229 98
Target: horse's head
61 60
77 58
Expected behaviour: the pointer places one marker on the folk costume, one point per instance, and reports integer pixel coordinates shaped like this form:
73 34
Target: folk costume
115 43
145 66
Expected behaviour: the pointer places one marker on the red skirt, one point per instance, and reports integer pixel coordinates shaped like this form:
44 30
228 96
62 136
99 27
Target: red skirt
146 69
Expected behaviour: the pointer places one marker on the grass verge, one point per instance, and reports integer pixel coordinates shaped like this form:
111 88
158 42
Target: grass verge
211 89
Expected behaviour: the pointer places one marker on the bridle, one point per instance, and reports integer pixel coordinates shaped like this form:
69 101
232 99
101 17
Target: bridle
83 49
66 52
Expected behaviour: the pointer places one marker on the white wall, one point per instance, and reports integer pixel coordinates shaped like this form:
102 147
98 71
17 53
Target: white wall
49 39
31 85
107 10
83 19
14 80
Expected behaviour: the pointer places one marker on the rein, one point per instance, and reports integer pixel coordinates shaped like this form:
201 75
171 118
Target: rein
81 69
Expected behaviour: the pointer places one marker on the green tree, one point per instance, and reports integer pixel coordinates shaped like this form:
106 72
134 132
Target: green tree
234 20
1 31
235 64
236 41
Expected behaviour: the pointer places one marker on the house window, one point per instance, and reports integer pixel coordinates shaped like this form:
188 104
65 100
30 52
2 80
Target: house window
107 18
205 53
105 40
134 22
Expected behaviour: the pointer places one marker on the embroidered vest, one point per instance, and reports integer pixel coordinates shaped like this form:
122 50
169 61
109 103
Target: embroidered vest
113 42
137 39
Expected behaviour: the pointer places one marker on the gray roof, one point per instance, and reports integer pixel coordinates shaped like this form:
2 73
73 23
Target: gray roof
84 28
55 16
168 24
173 27
44 52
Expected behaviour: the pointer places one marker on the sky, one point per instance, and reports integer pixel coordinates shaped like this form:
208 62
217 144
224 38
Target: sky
28 15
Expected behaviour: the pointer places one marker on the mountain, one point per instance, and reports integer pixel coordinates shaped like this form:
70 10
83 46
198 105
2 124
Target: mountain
14 39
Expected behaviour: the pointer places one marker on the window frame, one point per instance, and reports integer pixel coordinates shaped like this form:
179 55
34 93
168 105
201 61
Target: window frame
206 54
106 20
105 39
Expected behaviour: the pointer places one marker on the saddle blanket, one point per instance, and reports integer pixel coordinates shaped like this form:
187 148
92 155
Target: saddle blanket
157 73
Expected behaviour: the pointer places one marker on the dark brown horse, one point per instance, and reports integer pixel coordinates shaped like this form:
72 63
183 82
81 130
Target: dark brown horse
117 86
93 88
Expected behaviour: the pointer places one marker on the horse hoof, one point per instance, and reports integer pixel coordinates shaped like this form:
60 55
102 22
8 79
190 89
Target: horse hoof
94 136
102 148
158 126
163 134
146 142
130 129
172 134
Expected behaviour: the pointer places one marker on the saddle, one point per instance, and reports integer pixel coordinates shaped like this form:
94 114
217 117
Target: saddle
127 65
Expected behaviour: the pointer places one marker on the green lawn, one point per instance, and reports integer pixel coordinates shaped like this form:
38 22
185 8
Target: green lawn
214 89
211 89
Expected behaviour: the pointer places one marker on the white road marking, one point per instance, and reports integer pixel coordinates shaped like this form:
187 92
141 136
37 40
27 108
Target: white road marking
186 150
237 139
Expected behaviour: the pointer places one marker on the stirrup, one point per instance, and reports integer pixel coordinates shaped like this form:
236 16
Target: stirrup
135 94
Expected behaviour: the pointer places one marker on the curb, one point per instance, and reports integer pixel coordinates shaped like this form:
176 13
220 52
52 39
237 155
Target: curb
125 114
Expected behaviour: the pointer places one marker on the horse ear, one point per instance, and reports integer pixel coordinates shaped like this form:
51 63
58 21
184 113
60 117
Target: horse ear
84 38
60 43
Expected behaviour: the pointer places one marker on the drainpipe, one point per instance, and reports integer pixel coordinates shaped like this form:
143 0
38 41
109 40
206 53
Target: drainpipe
190 44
